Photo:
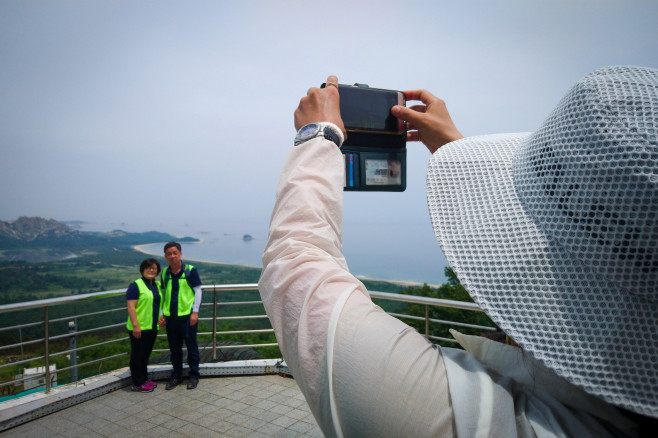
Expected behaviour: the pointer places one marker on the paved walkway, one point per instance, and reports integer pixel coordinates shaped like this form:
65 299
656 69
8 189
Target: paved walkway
240 406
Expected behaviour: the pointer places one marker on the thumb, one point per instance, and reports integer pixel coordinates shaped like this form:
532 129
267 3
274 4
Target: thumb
408 115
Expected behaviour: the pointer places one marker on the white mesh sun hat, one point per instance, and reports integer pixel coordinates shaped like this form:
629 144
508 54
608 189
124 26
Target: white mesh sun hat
555 233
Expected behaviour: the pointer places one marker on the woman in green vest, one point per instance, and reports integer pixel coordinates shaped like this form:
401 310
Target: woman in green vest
144 297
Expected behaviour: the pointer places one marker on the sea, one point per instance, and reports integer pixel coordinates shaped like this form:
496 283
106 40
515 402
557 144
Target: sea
383 251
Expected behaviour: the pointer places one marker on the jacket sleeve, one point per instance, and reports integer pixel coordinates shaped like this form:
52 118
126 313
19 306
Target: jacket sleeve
353 362
305 277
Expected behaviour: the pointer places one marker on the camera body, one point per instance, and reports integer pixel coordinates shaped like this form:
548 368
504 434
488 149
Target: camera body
375 150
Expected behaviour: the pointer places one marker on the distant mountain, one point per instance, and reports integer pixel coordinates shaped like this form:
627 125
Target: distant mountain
37 232
28 229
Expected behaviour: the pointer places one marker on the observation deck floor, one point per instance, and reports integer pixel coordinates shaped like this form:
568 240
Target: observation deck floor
232 406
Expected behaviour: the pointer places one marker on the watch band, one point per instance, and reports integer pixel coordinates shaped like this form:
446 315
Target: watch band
327 130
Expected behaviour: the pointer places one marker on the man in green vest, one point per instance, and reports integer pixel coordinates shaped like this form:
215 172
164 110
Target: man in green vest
182 298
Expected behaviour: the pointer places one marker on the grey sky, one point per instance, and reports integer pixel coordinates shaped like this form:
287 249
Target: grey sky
123 109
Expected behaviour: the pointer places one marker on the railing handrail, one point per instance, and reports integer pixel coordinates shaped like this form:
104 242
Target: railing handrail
234 287
414 299
13 307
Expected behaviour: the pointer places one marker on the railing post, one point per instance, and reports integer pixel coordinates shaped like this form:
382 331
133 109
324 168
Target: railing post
73 328
214 325
46 353
20 339
427 321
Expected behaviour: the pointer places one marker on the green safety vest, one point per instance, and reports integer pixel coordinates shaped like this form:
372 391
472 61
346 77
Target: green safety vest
144 307
185 291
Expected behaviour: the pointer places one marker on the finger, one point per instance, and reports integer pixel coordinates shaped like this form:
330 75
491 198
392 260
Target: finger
419 108
333 81
408 115
423 95
412 135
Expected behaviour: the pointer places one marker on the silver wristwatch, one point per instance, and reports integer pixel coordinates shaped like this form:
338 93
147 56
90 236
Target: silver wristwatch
324 129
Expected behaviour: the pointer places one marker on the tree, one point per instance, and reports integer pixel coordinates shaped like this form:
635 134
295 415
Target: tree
451 290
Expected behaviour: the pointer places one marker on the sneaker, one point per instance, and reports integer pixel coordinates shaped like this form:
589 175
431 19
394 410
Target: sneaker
151 384
143 388
175 381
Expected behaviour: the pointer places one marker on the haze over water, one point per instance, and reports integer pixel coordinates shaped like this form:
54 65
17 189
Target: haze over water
375 250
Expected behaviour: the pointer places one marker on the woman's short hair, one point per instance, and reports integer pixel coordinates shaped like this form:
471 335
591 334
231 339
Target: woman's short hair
147 264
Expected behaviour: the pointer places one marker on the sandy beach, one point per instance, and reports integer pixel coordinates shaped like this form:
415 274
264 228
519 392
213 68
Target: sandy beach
398 282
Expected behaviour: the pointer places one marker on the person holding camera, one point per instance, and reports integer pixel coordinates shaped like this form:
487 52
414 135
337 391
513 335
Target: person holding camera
554 235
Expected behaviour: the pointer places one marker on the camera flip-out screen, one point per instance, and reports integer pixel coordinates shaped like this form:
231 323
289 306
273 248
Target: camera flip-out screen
374 171
375 150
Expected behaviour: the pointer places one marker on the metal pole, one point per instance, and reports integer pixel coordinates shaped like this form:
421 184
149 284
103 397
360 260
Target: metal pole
427 321
214 326
20 339
46 353
73 328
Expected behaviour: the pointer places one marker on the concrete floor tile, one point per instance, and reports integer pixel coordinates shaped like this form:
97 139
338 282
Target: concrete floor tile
240 432
240 406
174 423
281 409
284 421
301 427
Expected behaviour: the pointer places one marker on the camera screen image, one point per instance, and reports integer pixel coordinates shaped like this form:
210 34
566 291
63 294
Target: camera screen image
368 109
383 172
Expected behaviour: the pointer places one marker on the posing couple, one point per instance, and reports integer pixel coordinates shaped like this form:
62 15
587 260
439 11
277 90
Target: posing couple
172 301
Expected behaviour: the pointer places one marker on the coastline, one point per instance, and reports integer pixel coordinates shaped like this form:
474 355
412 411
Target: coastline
398 282
139 248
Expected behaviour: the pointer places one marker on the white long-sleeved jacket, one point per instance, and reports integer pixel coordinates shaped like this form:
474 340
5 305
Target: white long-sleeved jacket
365 373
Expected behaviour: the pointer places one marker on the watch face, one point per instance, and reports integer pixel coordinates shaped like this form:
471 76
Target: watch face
308 131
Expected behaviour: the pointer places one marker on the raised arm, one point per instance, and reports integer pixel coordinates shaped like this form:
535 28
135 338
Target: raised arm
351 360
305 278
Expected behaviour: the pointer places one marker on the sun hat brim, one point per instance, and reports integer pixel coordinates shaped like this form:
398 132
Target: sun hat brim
589 331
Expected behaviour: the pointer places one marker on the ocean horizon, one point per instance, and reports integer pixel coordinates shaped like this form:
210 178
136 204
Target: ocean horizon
374 251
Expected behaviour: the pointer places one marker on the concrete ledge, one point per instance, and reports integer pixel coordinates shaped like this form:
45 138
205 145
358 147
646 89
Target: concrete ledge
32 406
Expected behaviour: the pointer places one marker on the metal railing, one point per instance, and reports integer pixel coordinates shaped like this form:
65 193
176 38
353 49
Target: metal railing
116 329
433 302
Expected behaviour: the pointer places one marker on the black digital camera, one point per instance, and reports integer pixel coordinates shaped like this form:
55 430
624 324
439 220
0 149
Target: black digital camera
375 150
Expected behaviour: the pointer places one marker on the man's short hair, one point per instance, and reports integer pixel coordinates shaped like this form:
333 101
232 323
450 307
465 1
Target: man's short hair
172 244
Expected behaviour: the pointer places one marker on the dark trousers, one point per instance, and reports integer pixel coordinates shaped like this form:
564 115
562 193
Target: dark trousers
179 331
140 351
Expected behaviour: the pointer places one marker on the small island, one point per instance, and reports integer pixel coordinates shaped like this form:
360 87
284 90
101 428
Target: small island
247 237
